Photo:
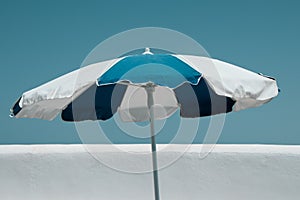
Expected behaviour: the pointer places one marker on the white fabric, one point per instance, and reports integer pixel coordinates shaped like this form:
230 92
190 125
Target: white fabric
49 99
247 88
134 106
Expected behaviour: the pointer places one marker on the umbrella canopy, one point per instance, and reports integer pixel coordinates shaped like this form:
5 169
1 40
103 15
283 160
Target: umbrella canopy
147 87
104 85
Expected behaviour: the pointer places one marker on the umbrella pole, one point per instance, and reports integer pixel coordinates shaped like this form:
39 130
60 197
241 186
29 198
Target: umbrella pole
150 90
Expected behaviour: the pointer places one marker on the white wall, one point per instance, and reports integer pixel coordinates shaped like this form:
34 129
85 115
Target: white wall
69 172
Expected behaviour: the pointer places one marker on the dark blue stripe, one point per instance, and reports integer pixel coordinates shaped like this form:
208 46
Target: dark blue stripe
16 108
200 100
97 103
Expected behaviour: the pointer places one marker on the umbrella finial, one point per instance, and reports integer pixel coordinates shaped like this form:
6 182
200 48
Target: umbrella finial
147 51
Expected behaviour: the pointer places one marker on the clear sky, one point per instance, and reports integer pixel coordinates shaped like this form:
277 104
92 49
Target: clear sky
41 40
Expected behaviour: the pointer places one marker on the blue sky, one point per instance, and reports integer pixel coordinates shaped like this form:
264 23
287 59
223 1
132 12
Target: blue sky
41 40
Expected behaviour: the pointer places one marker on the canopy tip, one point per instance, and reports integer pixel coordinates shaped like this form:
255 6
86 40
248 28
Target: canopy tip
147 51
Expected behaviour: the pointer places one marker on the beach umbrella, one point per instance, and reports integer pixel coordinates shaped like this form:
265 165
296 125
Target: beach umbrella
147 87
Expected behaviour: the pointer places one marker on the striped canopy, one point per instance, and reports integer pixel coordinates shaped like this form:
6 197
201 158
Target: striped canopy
199 86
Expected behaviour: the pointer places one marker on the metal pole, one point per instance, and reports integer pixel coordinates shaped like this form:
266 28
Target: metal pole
150 90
